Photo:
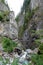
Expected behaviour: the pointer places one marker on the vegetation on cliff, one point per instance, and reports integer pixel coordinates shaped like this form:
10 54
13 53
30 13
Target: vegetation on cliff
31 25
37 36
3 1
4 16
8 44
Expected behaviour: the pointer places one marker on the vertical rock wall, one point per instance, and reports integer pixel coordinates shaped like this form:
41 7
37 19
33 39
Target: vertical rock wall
8 28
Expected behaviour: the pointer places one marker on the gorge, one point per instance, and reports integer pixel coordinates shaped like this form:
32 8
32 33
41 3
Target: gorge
22 37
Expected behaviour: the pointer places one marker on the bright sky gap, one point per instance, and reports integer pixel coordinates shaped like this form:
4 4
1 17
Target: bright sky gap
15 5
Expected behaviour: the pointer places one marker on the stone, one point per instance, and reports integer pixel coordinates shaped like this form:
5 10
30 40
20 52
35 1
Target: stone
3 7
11 60
26 38
16 55
1 48
23 57
13 29
6 56
36 3
8 28
29 51
35 51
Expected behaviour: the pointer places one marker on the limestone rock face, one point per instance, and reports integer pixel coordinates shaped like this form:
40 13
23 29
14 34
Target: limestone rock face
21 20
37 18
8 28
36 3
3 7
13 26
1 28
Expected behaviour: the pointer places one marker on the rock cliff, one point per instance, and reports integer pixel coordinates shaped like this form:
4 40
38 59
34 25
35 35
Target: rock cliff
35 23
8 25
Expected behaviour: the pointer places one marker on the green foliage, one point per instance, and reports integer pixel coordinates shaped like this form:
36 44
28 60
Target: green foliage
20 31
8 44
0 58
17 19
25 5
38 42
40 33
15 62
37 59
4 61
27 17
3 1
4 16
1 16
41 48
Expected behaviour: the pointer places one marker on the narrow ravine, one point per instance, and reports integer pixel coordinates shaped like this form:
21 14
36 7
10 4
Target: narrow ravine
21 38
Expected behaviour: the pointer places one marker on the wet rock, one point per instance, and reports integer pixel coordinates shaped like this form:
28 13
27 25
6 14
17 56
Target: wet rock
16 55
11 60
23 57
28 57
26 39
29 51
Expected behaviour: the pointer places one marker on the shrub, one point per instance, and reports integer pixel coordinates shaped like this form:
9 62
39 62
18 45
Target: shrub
1 16
39 41
21 31
4 61
3 1
27 17
17 19
8 44
4 16
37 59
41 48
15 62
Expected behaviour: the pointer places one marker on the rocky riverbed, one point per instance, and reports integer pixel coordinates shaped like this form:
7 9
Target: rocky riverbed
23 58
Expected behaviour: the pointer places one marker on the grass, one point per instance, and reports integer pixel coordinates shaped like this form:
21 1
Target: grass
1 58
15 62
8 44
4 16
4 62
37 59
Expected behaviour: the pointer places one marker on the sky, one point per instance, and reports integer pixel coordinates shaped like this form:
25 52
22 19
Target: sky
15 5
